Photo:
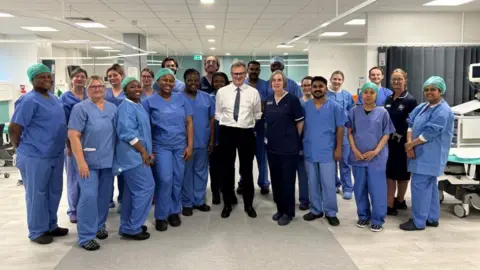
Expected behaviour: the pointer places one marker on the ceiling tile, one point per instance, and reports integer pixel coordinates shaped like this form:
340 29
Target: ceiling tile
138 15
129 7
179 7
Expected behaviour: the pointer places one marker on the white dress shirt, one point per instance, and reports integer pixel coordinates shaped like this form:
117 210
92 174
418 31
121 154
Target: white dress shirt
250 106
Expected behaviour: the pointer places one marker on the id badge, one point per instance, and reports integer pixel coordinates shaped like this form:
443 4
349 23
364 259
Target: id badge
265 141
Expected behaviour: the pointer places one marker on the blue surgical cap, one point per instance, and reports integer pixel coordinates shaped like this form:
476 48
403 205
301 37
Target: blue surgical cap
162 72
277 59
36 69
126 81
438 82
369 85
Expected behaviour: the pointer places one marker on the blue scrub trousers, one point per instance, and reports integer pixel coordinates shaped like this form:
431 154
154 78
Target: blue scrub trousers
321 186
169 174
282 173
43 182
196 178
371 181
425 199
72 185
93 203
345 180
302 181
121 187
137 199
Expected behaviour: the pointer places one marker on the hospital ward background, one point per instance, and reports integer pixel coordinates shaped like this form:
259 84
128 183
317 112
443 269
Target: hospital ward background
419 58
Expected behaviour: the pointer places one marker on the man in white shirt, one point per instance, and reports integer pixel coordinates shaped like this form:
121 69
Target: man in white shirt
238 107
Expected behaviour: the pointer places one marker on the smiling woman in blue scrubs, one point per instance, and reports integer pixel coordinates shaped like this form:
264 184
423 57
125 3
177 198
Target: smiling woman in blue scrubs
196 169
69 99
133 159
284 119
369 128
430 132
91 131
38 131
172 140
376 75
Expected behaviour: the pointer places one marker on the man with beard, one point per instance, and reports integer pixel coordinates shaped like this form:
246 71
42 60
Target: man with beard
277 63
173 66
211 65
253 70
322 144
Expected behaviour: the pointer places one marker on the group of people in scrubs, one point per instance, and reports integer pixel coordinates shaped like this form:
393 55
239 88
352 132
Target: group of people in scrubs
162 144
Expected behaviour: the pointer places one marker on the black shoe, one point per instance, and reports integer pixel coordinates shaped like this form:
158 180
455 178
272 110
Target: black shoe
91 245
284 220
139 236
102 234
376 228
361 223
234 200
311 216
432 224
410 226
187 211
216 199
44 239
227 209
265 191
304 207
161 225
391 211
144 228
239 190
400 205
174 220
59 232
203 208
277 216
333 221
251 212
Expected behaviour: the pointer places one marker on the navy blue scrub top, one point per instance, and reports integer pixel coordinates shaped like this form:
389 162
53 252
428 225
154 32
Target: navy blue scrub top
399 110
282 135
205 86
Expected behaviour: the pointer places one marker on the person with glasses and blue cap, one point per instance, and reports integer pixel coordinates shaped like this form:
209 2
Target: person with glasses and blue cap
277 63
133 159
172 144
38 131
430 132
369 128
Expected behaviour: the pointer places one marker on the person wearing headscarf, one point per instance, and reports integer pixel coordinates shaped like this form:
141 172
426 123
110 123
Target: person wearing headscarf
430 132
38 131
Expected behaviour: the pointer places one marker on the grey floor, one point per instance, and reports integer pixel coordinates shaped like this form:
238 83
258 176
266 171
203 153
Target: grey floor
206 241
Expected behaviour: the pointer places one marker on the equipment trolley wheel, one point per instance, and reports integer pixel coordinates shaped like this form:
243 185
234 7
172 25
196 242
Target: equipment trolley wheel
461 210
6 175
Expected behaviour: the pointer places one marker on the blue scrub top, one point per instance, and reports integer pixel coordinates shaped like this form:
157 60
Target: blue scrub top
68 100
132 123
205 86
383 94
262 88
98 132
44 125
435 125
345 100
368 130
292 88
203 110
168 120
281 119
320 130
112 99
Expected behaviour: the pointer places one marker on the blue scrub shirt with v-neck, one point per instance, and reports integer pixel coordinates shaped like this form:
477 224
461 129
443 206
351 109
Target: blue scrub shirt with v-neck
110 97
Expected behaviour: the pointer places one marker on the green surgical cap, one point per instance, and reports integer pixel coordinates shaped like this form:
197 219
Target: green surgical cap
371 86
438 82
126 81
36 69
162 72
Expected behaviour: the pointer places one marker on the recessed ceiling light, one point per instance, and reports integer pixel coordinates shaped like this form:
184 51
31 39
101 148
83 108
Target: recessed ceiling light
324 24
211 40
333 34
113 50
76 41
285 53
210 26
6 15
207 1
228 53
39 28
356 22
212 48
447 2
305 50
285 46
91 25
101 47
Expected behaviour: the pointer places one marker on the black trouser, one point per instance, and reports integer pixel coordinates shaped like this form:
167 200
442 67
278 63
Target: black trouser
215 162
283 170
231 139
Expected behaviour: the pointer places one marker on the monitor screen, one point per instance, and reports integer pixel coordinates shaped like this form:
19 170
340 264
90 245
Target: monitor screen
476 72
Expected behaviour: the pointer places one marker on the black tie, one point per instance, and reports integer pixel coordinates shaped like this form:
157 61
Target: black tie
236 107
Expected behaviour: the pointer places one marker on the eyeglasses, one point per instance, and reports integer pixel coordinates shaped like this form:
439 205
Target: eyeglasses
96 87
238 74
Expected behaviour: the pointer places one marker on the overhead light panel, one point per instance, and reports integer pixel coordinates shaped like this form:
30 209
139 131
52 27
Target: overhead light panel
447 3
228 53
212 48
210 26
101 47
285 46
113 50
305 50
6 15
211 40
285 53
207 2
356 22
39 28
333 34
91 25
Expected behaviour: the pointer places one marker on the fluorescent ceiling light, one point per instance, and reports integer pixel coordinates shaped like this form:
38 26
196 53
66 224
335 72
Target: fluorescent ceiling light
333 34
6 15
285 53
210 26
211 40
447 2
113 50
39 28
285 46
324 24
228 53
91 25
76 41
305 50
356 22
212 48
102 47
207 1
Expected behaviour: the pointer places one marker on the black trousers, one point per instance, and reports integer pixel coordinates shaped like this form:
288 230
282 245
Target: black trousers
283 170
231 139
215 162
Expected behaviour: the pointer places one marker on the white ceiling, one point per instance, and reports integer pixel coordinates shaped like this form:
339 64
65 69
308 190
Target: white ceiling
177 27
